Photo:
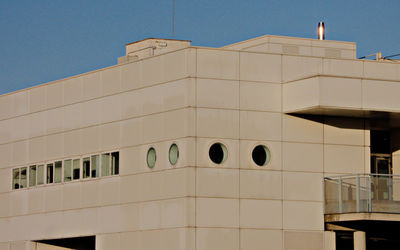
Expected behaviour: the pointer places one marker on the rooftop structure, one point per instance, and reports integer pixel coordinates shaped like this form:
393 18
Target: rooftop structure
270 143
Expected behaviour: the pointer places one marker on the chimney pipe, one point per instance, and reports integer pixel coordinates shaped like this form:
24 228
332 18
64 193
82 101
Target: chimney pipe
321 31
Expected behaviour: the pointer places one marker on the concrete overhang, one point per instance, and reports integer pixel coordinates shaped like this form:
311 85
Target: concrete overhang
332 218
375 224
342 96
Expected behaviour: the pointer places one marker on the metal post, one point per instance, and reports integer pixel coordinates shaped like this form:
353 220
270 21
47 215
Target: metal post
390 187
358 193
340 196
370 194
323 194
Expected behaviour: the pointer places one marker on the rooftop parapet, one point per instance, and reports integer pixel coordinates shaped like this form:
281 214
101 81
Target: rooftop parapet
297 46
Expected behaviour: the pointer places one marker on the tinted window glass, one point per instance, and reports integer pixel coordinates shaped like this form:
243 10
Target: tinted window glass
50 173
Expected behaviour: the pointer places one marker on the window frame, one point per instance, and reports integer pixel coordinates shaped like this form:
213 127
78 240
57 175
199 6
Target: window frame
170 159
63 170
90 167
111 163
267 151
29 175
20 177
12 178
80 168
44 173
45 176
26 177
113 170
225 152
151 165
54 172
98 171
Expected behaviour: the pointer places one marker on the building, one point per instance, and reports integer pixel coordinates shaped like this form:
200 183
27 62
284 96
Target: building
180 148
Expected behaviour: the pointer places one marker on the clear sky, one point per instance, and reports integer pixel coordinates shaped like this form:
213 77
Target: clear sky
46 40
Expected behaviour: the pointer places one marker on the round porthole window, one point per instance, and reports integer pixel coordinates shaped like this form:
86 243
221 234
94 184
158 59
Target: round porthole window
151 157
218 153
261 155
173 154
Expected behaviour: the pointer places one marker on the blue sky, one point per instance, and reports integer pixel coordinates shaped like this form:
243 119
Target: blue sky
46 40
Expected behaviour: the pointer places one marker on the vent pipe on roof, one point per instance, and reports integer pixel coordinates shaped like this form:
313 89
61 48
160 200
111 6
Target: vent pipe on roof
321 31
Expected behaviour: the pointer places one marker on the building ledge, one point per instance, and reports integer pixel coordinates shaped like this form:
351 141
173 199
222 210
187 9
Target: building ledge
362 217
342 96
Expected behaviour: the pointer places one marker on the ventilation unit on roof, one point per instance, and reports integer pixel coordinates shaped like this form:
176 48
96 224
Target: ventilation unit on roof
150 47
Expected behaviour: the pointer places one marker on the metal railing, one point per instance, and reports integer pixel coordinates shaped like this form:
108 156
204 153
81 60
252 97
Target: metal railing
362 193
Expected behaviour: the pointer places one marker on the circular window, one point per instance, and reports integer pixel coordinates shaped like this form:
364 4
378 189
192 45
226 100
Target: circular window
218 153
173 154
151 157
261 155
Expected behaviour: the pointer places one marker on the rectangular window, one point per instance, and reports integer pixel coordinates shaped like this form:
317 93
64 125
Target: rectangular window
115 163
105 164
67 170
50 173
86 167
57 171
15 183
23 180
76 169
40 175
95 166
32 176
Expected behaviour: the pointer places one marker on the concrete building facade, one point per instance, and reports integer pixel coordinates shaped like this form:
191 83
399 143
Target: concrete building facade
191 148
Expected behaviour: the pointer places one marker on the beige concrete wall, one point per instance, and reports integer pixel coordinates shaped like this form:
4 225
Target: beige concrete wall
194 98
126 108
263 203
159 239
282 200
350 85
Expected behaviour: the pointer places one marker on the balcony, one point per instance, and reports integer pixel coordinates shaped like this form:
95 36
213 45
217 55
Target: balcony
369 203
363 193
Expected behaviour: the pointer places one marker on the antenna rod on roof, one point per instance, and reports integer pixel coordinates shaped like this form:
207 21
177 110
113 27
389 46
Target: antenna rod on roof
173 17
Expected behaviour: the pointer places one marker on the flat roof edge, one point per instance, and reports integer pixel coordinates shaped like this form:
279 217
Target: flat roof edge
287 37
149 38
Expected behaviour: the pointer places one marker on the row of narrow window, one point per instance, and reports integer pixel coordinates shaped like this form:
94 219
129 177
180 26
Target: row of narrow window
67 170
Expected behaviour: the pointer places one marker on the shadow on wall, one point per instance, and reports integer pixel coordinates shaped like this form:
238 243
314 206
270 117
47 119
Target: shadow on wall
384 129
337 121
78 243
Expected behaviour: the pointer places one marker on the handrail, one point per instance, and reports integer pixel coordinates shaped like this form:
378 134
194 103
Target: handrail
380 193
355 175
351 185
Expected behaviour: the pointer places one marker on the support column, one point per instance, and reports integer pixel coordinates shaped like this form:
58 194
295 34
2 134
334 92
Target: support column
359 241
329 240
23 245
5 246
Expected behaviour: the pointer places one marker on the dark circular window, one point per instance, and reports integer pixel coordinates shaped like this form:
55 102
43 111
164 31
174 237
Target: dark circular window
218 153
261 155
